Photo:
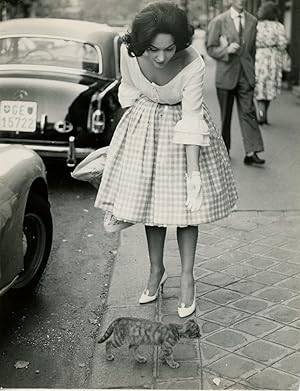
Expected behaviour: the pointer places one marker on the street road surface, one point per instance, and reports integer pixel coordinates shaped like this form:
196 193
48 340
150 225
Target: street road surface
55 330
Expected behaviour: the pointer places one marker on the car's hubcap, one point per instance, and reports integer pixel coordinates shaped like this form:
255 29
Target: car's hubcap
34 242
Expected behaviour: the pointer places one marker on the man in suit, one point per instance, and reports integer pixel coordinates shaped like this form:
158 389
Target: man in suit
230 40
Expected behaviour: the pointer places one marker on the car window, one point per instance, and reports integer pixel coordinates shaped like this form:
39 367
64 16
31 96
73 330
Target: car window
51 52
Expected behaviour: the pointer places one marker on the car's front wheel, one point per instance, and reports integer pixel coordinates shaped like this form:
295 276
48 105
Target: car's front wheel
37 241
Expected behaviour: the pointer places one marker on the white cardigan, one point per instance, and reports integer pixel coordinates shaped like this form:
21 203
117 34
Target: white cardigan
186 87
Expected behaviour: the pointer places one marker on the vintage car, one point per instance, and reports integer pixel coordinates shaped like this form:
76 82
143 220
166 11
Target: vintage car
25 219
58 86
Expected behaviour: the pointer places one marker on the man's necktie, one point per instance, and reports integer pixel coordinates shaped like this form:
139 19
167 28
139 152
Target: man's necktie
240 28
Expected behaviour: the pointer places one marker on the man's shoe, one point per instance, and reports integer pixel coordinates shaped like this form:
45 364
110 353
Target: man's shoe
253 159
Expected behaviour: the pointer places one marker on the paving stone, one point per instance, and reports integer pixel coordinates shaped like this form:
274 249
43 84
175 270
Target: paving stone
230 244
228 339
210 353
187 369
265 352
274 294
172 318
199 259
209 384
290 364
261 262
296 324
200 272
255 248
295 302
208 238
251 236
170 293
217 264
291 283
225 316
246 286
242 270
286 268
287 336
204 306
202 288
236 256
208 327
235 368
273 379
279 253
209 251
292 244
274 240
172 264
185 351
207 227
219 279
295 259
281 313
256 326
175 384
267 277
239 386
224 232
172 282
169 306
250 304
222 296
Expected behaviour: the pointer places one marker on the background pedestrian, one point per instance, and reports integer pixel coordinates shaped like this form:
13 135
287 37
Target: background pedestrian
271 43
230 40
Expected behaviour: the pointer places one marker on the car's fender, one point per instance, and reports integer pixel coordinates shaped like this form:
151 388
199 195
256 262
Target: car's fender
21 170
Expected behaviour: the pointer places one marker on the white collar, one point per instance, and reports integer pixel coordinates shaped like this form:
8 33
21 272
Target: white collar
234 14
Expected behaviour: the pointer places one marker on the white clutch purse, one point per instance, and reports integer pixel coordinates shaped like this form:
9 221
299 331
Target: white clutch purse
91 168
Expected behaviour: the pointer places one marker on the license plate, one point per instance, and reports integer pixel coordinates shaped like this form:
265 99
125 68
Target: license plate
16 116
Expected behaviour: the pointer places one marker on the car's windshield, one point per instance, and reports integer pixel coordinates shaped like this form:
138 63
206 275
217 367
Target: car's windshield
49 51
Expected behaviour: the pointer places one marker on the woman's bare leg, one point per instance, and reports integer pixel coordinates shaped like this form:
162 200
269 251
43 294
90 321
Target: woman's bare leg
187 241
156 240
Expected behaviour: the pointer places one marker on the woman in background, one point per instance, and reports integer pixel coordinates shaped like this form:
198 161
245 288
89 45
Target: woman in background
271 43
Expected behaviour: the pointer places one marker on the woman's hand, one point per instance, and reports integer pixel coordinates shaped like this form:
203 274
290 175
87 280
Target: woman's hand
194 191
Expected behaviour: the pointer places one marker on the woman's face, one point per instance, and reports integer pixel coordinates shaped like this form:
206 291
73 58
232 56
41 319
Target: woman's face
161 50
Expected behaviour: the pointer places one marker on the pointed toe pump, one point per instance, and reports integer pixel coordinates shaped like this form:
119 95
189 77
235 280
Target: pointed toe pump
146 298
184 311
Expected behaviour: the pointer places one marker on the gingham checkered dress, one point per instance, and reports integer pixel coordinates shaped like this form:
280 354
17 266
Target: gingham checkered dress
144 177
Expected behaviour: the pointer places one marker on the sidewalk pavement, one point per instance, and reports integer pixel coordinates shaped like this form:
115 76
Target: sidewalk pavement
248 307
247 274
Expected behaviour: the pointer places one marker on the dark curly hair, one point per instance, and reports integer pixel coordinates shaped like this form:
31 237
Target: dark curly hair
161 17
268 11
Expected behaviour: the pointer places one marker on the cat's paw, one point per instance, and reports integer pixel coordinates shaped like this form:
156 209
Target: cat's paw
141 360
110 357
173 364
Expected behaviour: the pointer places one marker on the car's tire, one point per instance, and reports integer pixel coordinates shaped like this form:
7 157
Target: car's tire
37 241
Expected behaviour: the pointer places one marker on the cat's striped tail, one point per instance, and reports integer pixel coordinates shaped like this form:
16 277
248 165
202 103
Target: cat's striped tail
108 332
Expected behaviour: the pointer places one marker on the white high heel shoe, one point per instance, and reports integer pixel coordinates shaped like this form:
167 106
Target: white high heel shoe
184 311
146 298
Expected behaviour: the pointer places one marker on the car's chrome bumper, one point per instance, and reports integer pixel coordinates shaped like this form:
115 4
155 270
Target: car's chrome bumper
70 151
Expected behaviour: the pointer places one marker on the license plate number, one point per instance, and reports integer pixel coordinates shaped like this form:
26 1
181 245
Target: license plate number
18 116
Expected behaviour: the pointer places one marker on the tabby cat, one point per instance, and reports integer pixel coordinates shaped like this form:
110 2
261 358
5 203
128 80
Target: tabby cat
137 331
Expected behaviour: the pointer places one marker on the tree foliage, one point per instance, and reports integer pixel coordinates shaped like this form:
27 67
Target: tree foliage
119 12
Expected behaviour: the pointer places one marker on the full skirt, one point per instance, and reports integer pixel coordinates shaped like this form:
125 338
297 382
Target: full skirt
144 176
